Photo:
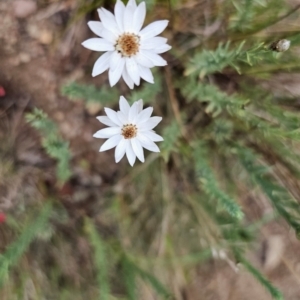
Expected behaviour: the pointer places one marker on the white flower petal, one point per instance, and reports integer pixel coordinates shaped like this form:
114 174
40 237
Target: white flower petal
115 75
153 136
98 44
115 60
123 119
124 105
111 142
146 74
101 64
138 149
144 115
132 3
121 149
132 69
96 27
155 58
162 49
147 143
106 121
150 124
119 14
153 43
127 79
128 16
139 105
109 36
133 112
113 116
139 17
108 21
130 154
153 29
107 132
144 61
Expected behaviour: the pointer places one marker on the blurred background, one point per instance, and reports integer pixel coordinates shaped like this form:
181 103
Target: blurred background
215 215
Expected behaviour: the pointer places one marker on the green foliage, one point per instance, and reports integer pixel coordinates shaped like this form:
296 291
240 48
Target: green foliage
89 93
211 61
275 293
130 271
246 10
54 145
209 183
15 251
171 134
129 275
100 258
154 282
216 100
285 204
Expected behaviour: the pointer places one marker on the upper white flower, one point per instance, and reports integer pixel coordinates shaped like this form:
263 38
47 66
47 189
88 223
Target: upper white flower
130 51
130 130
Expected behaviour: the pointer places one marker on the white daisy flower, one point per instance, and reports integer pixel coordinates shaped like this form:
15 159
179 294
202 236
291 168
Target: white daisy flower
129 51
130 130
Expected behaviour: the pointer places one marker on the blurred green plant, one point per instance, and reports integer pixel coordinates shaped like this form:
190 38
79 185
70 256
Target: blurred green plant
16 249
54 145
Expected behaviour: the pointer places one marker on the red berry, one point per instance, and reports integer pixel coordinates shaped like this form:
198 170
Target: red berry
2 217
2 91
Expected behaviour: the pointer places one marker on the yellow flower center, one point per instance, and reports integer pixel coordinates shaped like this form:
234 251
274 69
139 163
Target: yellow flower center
129 131
128 44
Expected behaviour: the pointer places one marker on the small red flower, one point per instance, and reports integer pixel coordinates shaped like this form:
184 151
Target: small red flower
2 91
2 217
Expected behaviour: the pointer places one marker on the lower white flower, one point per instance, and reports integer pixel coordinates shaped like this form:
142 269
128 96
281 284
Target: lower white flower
130 130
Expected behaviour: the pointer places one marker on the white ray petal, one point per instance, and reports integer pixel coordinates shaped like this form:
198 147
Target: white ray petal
162 49
144 115
144 61
106 121
128 16
153 29
153 43
139 17
123 119
120 150
124 105
147 143
115 60
150 124
98 44
108 21
130 154
153 136
133 112
146 74
138 149
140 105
107 132
127 79
119 14
96 27
132 3
113 116
155 58
101 64
111 142
108 36
132 69
115 75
